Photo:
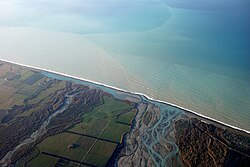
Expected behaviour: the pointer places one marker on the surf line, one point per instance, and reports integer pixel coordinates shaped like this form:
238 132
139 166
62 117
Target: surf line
125 91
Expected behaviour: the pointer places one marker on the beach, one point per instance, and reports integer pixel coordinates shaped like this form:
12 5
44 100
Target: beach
224 97
193 55
102 85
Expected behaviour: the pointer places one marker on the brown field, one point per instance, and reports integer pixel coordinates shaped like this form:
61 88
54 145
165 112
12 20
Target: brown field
16 99
16 84
4 69
6 92
2 81
28 90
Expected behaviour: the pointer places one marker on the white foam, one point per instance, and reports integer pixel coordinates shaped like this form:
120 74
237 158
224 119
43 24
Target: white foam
137 93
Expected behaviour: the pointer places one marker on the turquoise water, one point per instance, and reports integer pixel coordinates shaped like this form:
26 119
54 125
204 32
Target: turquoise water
191 53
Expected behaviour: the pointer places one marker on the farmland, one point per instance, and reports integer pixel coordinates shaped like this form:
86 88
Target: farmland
90 128
50 120
92 141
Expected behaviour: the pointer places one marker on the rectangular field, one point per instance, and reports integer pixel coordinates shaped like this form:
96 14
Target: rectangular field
4 69
89 143
100 153
26 74
114 131
16 99
6 92
93 127
67 145
33 78
42 160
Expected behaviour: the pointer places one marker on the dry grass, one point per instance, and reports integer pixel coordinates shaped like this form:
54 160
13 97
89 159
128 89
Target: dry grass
6 92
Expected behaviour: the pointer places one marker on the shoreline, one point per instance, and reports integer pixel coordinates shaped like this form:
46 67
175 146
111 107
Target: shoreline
125 91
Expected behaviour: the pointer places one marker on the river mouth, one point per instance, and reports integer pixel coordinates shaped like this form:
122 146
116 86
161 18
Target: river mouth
182 58
156 130
165 118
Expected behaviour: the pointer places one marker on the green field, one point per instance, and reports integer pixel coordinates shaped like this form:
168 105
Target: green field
110 108
33 78
93 140
58 145
86 150
26 74
114 131
14 91
127 117
100 153
9 95
43 161
88 126
106 116
46 161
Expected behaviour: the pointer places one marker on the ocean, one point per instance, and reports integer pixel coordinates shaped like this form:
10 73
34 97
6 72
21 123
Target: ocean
191 53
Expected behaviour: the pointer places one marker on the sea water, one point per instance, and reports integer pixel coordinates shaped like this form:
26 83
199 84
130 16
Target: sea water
191 53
